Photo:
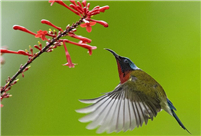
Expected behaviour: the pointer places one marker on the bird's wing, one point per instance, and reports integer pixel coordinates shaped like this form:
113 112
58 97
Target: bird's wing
122 109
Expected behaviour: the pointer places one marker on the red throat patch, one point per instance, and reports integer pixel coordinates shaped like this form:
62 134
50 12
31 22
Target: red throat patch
123 76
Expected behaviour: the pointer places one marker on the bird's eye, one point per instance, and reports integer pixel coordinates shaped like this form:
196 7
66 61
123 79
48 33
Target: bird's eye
126 61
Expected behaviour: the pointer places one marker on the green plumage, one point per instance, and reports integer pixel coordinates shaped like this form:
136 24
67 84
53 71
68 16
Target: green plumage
136 99
146 84
140 81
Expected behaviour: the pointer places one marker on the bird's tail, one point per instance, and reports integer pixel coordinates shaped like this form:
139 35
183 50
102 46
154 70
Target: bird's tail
175 116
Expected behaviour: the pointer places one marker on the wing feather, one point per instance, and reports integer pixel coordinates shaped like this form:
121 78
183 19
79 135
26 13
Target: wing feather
133 123
92 107
113 122
102 114
106 123
120 117
89 101
143 110
124 109
137 114
127 115
95 110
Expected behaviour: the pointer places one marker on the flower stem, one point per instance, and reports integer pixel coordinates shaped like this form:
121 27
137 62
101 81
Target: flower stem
8 84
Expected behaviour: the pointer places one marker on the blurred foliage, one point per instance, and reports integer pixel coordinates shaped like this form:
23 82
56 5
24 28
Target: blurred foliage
162 38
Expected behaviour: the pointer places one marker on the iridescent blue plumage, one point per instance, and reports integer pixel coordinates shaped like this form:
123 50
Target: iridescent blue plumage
174 114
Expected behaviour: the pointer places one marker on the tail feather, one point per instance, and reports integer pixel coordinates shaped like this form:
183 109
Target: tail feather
175 116
178 120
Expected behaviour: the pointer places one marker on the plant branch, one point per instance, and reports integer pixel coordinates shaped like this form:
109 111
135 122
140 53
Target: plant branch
82 10
8 84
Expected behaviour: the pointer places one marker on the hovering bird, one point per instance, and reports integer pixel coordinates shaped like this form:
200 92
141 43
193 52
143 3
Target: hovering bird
137 98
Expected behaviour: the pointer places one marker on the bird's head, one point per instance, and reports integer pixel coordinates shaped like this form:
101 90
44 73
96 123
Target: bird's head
125 66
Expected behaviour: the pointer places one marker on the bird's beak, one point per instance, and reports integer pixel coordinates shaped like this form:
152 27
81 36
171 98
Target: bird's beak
115 55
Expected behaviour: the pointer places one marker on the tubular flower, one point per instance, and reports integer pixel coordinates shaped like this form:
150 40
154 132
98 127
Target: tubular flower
69 62
84 45
41 34
82 10
21 52
88 25
47 22
55 38
52 2
21 28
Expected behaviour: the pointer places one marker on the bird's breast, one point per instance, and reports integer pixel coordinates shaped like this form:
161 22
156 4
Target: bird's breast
124 76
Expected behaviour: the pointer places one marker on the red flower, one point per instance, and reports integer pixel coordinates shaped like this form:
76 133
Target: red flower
63 4
102 9
69 62
41 34
84 3
82 9
88 25
47 22
21 52
21 28
52 1
2 60
103 23
84 39
82 44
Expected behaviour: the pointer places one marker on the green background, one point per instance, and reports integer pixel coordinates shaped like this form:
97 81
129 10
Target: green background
162 38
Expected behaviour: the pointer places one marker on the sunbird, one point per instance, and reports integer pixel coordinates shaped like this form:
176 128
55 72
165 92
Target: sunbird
137 98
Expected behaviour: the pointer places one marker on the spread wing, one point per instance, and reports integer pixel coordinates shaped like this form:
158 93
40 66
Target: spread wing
122 109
